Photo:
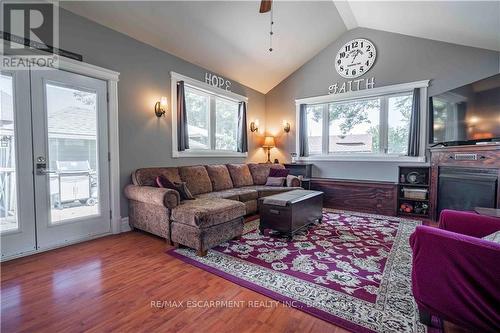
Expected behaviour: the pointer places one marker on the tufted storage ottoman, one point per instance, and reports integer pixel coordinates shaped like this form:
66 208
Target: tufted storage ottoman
204 223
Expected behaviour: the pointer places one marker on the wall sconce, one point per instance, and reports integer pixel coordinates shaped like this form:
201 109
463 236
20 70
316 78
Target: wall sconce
286 126
254 126
161 107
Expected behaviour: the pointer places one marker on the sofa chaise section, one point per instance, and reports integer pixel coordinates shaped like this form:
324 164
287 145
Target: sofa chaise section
205 223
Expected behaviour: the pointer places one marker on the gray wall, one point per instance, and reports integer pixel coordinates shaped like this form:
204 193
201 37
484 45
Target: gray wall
145 140
400 59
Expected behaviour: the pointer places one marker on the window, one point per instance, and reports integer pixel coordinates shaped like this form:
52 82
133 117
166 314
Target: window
372 124
212 121
399 113
212 117
354 126
198 118
315 128
226 124
8 169
377 125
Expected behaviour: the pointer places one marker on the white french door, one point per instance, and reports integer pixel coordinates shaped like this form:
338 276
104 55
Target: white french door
70 150
58 187
17 205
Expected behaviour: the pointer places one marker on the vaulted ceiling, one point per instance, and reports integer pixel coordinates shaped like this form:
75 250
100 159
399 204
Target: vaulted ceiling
471 23
231 38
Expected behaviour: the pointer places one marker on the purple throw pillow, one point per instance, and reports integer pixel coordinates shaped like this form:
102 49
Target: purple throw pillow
273 172
163 182
181 187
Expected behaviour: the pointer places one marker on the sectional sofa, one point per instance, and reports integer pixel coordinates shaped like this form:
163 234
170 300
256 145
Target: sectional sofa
224 194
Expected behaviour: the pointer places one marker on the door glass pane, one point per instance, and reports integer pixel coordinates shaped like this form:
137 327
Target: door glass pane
354 126
197 109
315 128
226 124
8 187
72 149
399 123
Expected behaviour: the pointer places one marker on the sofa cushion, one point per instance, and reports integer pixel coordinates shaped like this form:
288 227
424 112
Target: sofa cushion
219 176
227 194
147 176
240 174
264 191
260 172
247 194
239 194
204 213
196 178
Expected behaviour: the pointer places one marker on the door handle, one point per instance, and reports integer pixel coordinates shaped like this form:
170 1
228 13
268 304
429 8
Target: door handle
41 169
45 171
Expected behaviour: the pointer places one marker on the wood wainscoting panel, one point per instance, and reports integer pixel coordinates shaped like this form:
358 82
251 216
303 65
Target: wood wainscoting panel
362 196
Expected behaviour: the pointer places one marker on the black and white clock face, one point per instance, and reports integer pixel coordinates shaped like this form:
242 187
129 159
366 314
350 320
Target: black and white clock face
355 58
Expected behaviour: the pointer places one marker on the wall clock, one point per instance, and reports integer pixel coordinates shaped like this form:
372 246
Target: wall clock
355 58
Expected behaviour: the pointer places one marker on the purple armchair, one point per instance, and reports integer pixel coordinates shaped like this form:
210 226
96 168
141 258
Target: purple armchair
456 274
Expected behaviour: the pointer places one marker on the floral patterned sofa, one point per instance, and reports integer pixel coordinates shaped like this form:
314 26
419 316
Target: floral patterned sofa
224 194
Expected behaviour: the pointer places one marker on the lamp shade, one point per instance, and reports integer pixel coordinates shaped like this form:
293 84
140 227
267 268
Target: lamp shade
163 102
269 142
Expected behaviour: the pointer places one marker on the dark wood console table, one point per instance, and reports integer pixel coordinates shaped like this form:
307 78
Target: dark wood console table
301 169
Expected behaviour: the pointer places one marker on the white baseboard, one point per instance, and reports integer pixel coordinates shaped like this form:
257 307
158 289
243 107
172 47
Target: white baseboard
124 226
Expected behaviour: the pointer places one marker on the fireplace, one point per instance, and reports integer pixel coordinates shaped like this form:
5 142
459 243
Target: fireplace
469 175
463 188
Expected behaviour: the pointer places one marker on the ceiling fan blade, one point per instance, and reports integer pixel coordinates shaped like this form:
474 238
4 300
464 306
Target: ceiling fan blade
265 6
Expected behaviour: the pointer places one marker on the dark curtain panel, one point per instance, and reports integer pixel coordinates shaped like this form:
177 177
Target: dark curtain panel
242 141
182 124
303 140
414 137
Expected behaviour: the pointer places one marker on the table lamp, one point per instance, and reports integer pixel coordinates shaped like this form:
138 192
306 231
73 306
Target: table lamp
269 143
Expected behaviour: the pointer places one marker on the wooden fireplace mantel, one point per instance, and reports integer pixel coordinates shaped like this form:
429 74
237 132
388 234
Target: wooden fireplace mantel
486 156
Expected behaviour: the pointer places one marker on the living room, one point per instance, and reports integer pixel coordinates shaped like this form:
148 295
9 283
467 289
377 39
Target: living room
253 166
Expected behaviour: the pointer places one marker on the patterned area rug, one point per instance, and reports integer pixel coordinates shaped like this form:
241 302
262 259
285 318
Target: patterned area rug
353 269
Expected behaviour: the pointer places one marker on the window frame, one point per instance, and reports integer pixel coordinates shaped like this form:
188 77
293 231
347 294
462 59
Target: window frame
213 92
386 91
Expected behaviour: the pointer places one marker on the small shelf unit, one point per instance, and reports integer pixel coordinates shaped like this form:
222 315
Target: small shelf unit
414 178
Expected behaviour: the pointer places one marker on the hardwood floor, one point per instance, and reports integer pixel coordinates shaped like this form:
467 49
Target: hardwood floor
108 284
